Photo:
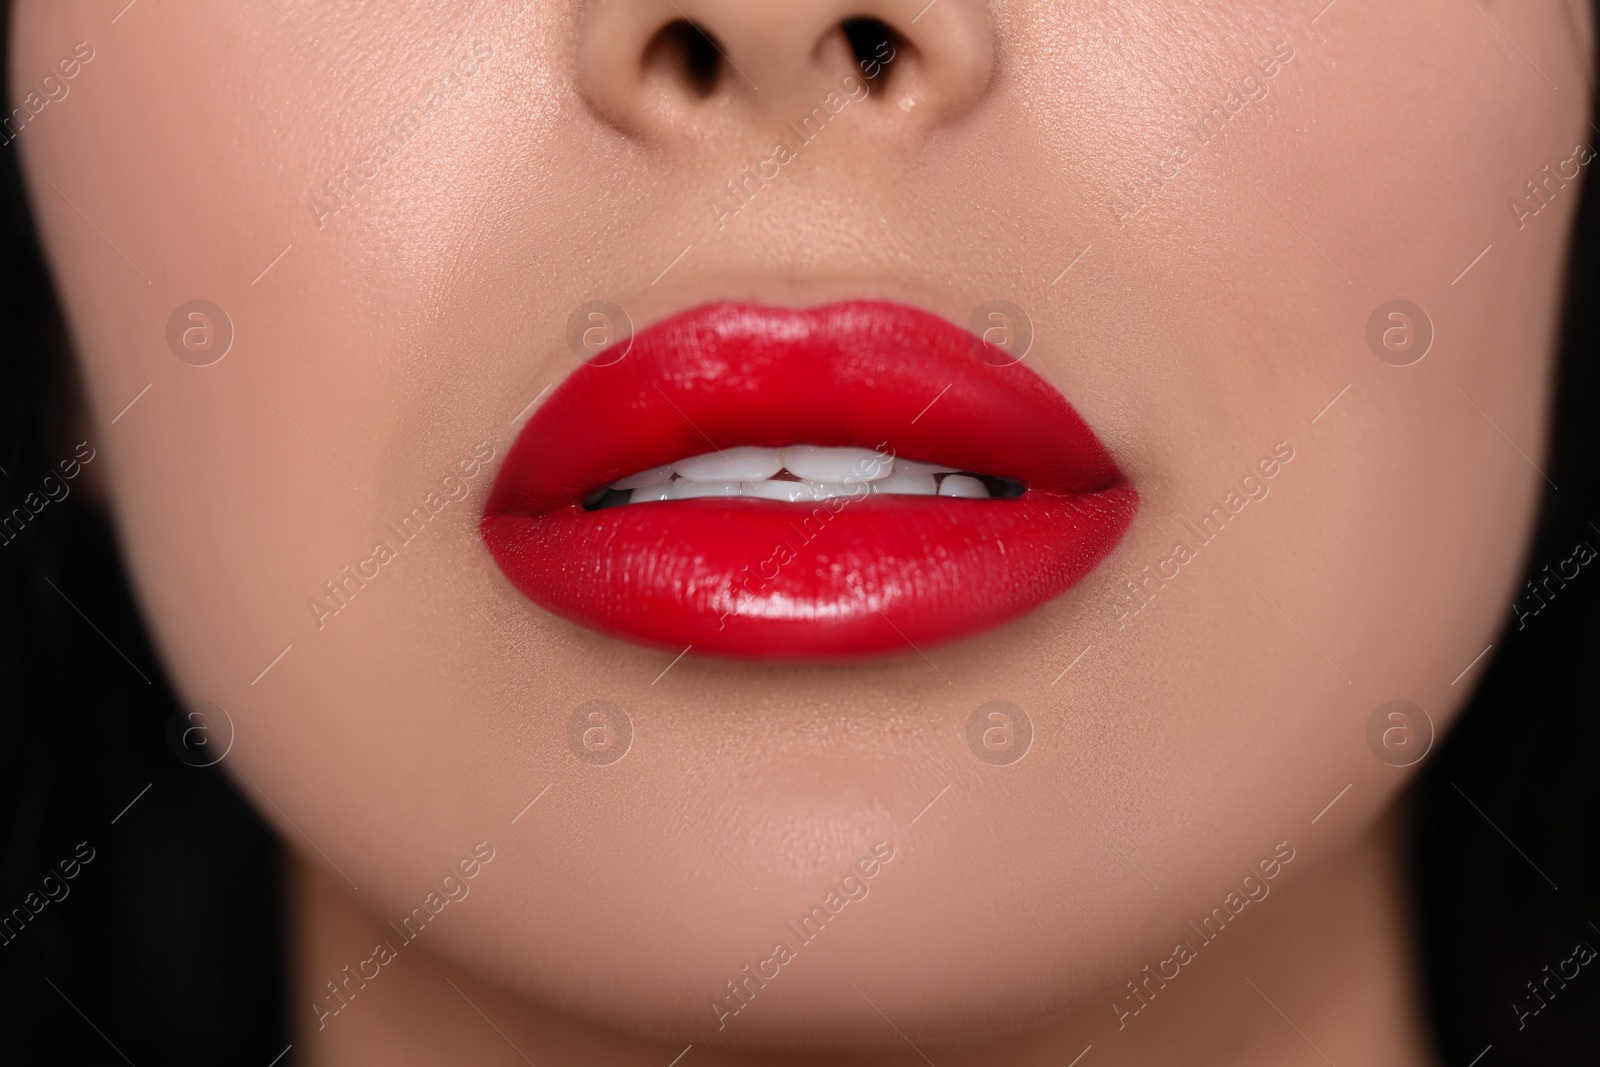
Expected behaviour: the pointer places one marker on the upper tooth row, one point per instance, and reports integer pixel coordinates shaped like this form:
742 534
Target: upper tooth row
961 485
748 463
749 471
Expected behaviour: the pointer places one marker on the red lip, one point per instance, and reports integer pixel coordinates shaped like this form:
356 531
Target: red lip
772 580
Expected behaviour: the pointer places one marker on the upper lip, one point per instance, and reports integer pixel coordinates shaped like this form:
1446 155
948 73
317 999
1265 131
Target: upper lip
864 373
860 373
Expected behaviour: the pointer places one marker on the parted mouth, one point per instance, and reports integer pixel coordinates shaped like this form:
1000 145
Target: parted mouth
843 481
798 474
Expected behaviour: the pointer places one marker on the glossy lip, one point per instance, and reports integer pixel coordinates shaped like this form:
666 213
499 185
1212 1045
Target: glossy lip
761 579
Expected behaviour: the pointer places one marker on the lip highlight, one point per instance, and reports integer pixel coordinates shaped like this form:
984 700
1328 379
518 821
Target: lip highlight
854 575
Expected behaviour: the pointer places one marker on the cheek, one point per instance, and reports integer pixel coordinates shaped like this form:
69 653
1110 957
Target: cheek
329 420
1382 561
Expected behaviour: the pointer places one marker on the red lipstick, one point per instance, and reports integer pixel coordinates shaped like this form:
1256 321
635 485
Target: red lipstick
836 578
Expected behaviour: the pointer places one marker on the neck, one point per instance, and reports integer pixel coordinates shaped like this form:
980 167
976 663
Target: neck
1322 975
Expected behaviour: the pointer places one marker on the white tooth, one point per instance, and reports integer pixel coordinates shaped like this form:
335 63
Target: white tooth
743 464
653 476
776 490
646 493
836 464
908 466
682 489
824 490
909 484
963 485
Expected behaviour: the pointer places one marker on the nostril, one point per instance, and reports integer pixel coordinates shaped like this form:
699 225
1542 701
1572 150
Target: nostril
686 55
671 73
876 45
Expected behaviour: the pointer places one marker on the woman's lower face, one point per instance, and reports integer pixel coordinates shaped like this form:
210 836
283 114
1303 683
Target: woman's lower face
368 305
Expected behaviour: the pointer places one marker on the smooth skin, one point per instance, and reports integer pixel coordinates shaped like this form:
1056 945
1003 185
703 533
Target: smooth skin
386 328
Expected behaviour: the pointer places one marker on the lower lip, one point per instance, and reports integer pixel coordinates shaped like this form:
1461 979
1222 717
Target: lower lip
843 578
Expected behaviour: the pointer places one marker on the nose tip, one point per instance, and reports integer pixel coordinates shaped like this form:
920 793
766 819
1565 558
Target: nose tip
658 68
